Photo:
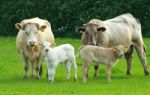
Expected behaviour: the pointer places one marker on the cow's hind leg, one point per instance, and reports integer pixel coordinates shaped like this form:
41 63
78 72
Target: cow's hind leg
96 66
128 56
142 55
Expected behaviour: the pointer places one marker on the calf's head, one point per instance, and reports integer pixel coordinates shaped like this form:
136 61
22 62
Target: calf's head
46 46
90 33
119 50
31 32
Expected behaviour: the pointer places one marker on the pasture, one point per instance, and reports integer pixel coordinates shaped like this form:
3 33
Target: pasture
12 83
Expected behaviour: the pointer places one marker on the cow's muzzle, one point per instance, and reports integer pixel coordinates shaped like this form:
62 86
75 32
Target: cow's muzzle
32 43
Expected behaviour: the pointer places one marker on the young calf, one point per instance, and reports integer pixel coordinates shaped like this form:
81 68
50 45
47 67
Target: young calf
60 54
97 54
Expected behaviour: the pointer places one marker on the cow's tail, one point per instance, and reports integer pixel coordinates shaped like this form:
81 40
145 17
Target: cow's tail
144 48
40 72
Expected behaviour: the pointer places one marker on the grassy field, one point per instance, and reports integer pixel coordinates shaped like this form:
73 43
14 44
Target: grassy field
12 83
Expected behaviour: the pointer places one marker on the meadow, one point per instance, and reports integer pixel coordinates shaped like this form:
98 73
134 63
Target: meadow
12 83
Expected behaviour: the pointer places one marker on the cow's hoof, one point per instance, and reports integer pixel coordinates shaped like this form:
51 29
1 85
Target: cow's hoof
109 81
84 81
32 76
37 77
146 73
95 76
128 73
75 79
67 79
50 82
25 77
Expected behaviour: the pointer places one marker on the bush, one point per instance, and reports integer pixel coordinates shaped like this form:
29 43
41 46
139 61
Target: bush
66 15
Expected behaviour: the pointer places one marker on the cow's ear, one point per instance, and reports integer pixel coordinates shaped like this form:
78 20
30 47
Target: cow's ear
101 29
43 27
19 26
80 29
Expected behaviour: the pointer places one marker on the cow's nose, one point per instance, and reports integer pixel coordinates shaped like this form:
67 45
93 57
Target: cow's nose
46 50
92 44
120 55
32 43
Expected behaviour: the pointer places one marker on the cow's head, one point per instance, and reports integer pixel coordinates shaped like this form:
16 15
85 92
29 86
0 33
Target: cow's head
90 33
31 32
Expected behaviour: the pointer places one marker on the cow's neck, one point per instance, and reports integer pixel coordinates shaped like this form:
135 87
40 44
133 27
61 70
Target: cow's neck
102 40
34 52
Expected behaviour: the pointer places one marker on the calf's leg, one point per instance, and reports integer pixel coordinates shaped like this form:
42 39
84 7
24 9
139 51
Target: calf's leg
85 70
51 72
96 66
73 62
108 71
68 67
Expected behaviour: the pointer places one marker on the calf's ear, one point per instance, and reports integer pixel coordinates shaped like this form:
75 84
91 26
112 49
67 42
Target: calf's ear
114 48
19 26
125 48
80 29
40 43
101 29
43 27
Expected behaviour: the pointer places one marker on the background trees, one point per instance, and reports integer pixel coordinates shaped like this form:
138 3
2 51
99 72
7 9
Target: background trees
66 15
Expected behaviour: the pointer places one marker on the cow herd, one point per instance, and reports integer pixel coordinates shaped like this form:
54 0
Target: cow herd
102 42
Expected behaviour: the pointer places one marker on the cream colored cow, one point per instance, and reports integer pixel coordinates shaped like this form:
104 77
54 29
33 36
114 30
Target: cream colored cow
31 32
124 29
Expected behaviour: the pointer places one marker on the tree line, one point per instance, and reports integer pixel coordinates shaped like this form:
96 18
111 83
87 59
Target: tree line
66 15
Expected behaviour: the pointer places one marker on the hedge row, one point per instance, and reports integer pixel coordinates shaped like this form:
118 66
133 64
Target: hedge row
66 15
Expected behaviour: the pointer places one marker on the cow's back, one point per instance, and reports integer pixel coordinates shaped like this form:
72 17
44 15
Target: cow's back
123 29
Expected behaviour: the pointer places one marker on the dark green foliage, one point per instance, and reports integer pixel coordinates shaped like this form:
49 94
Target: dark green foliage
66 15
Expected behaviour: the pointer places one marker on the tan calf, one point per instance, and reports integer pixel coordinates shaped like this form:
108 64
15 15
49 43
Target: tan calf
98 55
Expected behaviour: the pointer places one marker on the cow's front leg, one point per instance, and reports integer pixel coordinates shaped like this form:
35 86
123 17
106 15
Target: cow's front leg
32 69
26 65
128 57
38 68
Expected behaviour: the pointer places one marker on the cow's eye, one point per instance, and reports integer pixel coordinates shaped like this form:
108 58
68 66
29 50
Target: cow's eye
36 32
26 33
86 33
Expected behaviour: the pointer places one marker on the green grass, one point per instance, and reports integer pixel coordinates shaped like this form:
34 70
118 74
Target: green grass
12 83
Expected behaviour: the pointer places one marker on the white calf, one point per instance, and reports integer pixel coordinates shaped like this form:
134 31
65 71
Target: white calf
60 54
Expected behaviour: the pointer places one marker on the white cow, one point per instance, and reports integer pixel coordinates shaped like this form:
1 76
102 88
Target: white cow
60 54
